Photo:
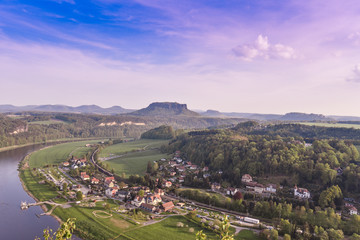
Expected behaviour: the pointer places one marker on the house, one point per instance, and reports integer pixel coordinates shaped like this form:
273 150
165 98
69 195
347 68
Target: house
259 188
138 201
110 192
95 181
246 178
172 163
85 177
181 179
256 187
167 206
231 191
82 174
301 192
109 179
167 184
353 210
153 199
193 167
215 187
74 166
271 188
123 194
172 173
66 164
159 191
205 169
109 182
148 207
180 168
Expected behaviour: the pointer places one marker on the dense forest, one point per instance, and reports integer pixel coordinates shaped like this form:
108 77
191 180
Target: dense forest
162 132
32 127
237 153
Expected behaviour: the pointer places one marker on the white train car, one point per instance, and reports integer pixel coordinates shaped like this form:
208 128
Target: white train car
251 220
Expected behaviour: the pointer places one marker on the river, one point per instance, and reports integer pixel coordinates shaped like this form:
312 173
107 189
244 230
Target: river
15 223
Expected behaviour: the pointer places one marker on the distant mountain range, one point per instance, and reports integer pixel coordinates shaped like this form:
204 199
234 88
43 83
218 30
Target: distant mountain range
64 109
173 109
293 116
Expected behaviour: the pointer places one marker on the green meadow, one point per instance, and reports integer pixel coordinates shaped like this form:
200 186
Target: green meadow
134 162
167 229
59 153
91 227
121 148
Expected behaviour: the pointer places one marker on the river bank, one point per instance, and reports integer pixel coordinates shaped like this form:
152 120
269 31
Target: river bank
3 149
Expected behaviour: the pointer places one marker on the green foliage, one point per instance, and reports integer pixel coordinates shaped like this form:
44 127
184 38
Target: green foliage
79 195
64 232
328 196
237 154
162 132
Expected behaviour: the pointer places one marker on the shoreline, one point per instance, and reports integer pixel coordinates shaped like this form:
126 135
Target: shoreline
8 148
42 206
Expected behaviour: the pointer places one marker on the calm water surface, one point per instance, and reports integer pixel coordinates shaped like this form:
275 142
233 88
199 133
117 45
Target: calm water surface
15 223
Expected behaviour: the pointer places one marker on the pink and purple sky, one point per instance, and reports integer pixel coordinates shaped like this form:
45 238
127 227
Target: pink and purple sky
265 56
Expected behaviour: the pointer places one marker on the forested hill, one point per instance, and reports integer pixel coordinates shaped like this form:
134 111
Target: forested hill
39 127
262 155
299 130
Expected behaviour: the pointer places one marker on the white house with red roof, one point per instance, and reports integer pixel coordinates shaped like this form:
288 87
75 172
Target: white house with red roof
301 192
246 178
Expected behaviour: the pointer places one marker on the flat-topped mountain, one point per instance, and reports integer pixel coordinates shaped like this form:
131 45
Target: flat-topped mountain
165 109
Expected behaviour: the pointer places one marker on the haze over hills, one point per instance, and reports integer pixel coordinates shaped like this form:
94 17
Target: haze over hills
293 116
173 109
64 109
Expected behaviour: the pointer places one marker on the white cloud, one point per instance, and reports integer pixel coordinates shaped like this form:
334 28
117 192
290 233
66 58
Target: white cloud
261 48
355 74
354 38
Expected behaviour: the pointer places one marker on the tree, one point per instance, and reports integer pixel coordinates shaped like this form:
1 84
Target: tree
238 195
335 234
327 197
155 167
274 235
141 193
79 196
122 184
287 237
64 231
64 186
355 237
223 228
149 168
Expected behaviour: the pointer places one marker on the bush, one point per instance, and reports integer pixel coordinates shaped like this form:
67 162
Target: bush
179 224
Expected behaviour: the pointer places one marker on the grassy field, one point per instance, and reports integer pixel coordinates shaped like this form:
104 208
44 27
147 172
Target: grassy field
221 197
338 125
121 148
167 229
134 162
92 227
41 191
58 153
246 235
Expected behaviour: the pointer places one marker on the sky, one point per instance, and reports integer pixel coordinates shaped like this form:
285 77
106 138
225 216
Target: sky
259 56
